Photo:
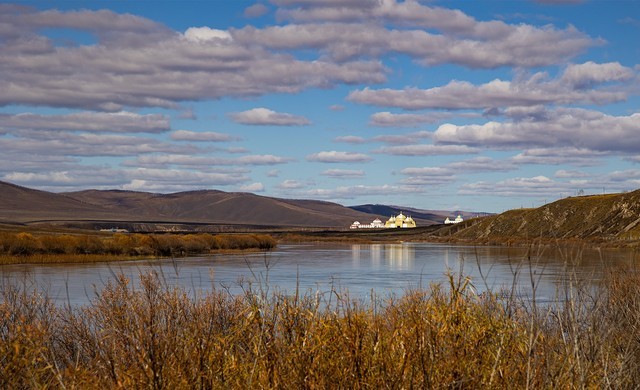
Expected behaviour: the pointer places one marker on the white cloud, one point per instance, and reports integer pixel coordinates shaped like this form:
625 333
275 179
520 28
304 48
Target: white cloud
563 127
426 150
521 46
558 156
387 119
290 185
590 74
463 41
253 187
350 139
137 62
205 136
482 164
352 192
567 174
427 176
343 173
90 145
534 90
338 157
265 117
118 122
205 34
255 11
519 186
403 139
164 160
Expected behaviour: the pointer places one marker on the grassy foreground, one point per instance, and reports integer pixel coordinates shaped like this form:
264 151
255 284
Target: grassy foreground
24 247
445 336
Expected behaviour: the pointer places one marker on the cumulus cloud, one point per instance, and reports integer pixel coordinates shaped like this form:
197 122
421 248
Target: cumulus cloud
111 73
205 136
563 127
590 74
265 117
535 90
204 34
343 173
338 157
119 122
518 45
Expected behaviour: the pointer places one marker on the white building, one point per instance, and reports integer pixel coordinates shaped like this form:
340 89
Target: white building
457 220
376 224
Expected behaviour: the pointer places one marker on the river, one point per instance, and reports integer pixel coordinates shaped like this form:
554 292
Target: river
359 269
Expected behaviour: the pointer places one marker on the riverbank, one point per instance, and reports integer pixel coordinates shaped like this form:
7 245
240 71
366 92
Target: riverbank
445 336
39 247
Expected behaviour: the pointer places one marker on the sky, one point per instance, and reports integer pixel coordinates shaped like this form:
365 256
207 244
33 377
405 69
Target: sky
443 105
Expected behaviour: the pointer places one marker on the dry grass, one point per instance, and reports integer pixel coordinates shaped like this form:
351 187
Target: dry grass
446 336
26 247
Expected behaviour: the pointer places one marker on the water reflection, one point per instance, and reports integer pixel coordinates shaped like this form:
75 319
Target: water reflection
397 257
358 268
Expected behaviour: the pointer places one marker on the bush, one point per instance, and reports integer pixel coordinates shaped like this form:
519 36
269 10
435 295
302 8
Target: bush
446 336
164 245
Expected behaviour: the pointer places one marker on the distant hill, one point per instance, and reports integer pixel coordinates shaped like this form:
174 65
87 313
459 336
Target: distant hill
422 217
21 204
596 217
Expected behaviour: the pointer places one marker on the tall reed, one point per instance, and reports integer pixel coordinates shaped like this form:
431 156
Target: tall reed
447 335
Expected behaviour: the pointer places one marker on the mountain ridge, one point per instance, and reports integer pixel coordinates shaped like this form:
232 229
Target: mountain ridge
26 205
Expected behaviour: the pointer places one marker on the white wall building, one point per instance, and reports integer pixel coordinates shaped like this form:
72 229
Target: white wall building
457 220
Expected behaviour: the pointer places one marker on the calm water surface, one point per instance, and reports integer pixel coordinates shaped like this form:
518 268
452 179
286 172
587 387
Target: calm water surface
359 269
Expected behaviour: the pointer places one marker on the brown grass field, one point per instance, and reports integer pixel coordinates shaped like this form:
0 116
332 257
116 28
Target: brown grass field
446 336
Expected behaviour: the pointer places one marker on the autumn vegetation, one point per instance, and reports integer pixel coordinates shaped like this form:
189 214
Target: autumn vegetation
446 336
25 247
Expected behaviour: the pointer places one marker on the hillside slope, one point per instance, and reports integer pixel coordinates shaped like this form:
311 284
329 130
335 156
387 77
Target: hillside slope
210 206
20 204
596 217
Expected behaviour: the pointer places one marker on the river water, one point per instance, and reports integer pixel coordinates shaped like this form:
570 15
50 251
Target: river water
359 269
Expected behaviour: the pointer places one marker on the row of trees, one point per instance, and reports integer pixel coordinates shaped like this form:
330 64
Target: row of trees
26 244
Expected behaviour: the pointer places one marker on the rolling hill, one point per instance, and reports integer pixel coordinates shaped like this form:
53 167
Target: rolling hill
25 205
610 217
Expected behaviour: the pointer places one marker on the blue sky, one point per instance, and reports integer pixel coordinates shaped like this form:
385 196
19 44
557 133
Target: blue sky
473 105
